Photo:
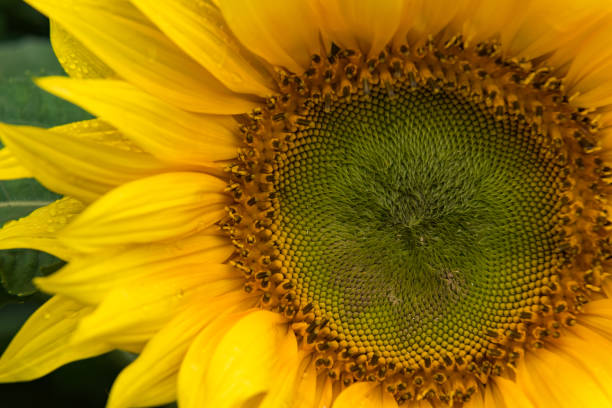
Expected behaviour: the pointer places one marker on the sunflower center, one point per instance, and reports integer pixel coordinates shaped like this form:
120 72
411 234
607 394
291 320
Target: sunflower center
421 218
417 223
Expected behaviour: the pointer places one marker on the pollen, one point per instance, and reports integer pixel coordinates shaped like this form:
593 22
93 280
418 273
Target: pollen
422 218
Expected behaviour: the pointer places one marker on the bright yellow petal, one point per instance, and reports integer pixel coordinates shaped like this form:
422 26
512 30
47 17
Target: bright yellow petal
168 133
306 391
589 75
76 59
127 41
477 400
367 25
422 18
589 350
314 389
39 229
543 28
503 393
200 30
550 378
10 168
597 316
249 363
74 166
42 344
90 278
162 207
98 131
482 20
365 395
152 378
134 314
283 32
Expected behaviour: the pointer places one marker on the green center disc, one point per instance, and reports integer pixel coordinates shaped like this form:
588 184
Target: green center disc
418 223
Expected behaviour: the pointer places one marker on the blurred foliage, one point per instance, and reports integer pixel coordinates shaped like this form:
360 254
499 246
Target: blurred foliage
23 55
18 19
22 102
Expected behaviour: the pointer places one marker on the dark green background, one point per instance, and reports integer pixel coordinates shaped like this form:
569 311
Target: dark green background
25 53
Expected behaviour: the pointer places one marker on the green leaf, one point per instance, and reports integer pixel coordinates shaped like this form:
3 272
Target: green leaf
22 102
18 198
19 266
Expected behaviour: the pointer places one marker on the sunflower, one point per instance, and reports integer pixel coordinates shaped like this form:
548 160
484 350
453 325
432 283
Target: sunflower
326 203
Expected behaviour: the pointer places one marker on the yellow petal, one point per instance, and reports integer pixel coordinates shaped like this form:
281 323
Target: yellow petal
42 344
166 206
590 351
250 362
422 18
90 278
98 131
503 393
134 314
312 389
200 30
306 391
477 400
76 59
550 378
545 29
126 41
597 316
365 395
10 168
367 25
75 166
39 229
283 32
168 133
589 74
325 392
151 379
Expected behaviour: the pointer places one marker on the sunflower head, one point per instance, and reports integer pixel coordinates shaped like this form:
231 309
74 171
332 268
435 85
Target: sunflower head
385 204
411 222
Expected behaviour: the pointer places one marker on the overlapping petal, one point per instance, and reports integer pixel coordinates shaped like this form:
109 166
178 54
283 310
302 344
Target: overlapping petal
10 167
163 207
365 395
313 389
75 166
573 385
200 30
131 315
39 229
76 59
125 40
360 25
253 361
285 33
169 133
43 343
151 378
90 278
